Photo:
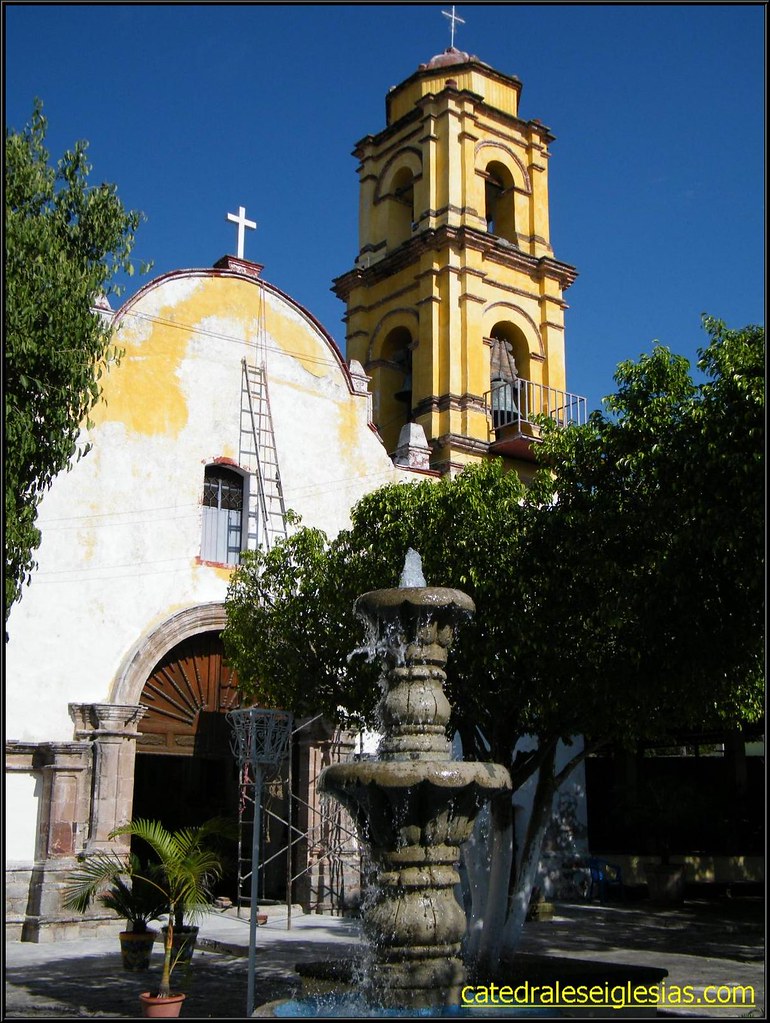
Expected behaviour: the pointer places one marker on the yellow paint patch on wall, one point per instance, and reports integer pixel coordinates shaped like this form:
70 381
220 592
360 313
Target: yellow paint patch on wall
299 340
223 572
349 427
144 392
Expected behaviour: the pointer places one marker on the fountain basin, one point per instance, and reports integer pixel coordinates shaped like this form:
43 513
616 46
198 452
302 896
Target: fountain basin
413 806
411 602
414 624
353 1006
414 814
425 803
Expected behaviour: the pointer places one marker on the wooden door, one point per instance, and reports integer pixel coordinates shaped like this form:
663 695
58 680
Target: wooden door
188 693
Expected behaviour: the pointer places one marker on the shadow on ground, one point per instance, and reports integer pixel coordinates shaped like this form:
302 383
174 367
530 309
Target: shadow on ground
94 986
55 982
723 929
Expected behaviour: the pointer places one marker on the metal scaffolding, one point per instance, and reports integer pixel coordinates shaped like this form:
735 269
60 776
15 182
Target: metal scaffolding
263 740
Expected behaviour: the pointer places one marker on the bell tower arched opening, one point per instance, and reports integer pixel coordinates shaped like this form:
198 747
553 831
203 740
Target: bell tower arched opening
499 201
392 383
508 372
401 212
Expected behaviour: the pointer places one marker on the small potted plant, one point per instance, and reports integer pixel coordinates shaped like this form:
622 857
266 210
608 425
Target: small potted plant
182 873
135 899
186 868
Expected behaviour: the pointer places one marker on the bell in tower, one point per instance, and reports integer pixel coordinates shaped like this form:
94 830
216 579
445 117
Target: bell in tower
454 258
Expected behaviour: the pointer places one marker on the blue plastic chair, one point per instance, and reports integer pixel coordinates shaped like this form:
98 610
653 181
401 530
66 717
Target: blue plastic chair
603 877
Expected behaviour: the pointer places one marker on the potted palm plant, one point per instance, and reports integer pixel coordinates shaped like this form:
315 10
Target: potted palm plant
190 865
134 898
184 868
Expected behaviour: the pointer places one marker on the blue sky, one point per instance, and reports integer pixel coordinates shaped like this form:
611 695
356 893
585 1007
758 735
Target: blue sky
656 174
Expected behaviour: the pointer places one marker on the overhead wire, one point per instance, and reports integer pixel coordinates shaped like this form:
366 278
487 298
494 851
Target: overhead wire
231 338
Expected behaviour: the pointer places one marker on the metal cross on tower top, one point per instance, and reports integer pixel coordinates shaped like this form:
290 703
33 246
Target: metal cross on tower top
454 18
242 223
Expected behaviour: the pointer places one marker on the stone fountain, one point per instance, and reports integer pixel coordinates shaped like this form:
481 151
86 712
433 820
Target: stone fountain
413 805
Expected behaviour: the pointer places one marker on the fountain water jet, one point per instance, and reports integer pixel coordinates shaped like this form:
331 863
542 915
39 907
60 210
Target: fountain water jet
413 805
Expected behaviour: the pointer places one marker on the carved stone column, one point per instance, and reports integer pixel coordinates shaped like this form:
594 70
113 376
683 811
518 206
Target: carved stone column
112 729
64 818
65 772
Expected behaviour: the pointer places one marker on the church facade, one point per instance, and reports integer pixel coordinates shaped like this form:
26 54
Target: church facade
117 688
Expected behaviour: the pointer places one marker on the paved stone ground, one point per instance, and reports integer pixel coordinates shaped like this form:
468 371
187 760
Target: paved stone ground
704 942
87 979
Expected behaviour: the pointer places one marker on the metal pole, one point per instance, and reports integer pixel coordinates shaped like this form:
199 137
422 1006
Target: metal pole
290 835
254 887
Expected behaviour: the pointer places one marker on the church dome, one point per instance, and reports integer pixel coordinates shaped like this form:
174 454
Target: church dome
448 58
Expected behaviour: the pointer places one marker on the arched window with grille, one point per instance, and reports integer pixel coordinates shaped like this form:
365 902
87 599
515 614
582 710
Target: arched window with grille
222 538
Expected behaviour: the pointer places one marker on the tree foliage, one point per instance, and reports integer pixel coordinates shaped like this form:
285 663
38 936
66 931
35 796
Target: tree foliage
64 242
620 596
655 539
291 628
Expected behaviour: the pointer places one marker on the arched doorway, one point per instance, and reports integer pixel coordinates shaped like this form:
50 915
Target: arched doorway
185 771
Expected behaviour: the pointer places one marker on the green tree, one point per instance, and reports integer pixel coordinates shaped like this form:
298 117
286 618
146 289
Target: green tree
654 517
607 594
64 242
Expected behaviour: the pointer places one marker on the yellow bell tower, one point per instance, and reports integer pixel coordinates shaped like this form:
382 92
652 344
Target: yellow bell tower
455 304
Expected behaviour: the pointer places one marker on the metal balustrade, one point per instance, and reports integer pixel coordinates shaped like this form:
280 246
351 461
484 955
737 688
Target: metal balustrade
518 403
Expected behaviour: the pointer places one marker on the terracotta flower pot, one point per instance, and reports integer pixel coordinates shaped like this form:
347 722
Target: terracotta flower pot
136 948
154 1006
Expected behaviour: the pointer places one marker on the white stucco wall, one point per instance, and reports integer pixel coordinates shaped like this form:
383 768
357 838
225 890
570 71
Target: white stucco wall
122 530
21 804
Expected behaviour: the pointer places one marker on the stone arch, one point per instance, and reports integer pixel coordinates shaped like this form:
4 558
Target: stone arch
187 695
397 187
408 158
179 676
506 155
393 343
500 311
404 316
140 661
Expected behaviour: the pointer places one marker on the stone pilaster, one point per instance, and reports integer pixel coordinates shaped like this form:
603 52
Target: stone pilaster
112 730
413 450
324 857
66 772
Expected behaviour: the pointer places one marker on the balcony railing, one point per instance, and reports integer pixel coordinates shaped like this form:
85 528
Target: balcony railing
518 403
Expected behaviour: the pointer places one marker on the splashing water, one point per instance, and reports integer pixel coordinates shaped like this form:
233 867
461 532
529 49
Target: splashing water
380 637
352 1005
412 572
408 801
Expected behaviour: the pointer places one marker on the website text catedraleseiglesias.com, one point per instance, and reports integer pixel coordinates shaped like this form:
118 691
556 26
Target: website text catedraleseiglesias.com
609 996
